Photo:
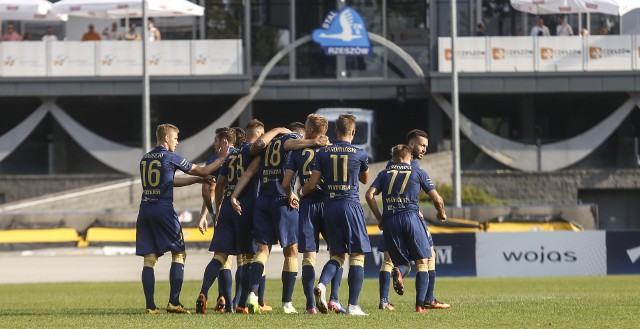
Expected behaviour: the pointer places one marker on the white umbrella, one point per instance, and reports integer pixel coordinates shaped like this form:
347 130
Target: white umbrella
610 7
127 8
27 10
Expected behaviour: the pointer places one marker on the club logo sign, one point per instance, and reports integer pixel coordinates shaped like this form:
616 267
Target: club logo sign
343 33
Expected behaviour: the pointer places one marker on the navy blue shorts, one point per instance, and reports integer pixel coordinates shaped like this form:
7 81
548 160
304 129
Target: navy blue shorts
406 237
382 247
345 228
158 230
232 234
274 220
310 225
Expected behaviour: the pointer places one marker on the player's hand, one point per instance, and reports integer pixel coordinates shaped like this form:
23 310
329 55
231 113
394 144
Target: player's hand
223 151
441 216
203 225
236 205
294 201
209 180
321 140
380 224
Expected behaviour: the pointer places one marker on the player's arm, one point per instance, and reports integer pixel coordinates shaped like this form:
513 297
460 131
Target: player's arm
373 205
208 191
219 193
286 187
438 203
213 166
311 184
294 144
262 142
181 181
363 176
248 174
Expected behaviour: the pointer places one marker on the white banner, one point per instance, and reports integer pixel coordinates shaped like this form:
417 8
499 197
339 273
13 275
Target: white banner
511 54
211 57
541 254
471 54
559 54
24 59
169 58
119 58
72 58
609 53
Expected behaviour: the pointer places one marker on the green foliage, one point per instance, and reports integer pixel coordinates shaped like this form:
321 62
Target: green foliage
224 19
471 196
477 303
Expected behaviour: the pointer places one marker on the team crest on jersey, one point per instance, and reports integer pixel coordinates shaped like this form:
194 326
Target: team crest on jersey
343 33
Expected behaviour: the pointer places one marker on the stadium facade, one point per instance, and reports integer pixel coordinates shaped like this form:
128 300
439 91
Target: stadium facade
574 127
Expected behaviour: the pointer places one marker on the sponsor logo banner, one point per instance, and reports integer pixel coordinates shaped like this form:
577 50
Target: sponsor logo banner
471 54
343 33
541 254
623 252
560 54
455 255
610 53
511 54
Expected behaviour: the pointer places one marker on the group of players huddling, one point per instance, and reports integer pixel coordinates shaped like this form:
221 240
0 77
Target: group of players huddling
249 182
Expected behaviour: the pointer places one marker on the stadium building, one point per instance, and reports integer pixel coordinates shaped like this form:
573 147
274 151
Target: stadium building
545 119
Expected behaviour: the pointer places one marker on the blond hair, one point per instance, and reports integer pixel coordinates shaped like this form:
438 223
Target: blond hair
164 129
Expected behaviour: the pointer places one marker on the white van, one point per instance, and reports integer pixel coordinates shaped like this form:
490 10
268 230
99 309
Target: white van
365 127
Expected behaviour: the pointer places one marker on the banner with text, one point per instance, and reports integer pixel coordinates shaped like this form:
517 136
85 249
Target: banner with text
609 53
541 254
455 255
119 58
511 54
471 54
169 58
72 58
217 57
24 59
559 54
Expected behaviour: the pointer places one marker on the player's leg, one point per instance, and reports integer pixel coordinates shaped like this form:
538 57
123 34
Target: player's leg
358 245
334 300
211 272
384 282
431 299
256 268
149 282
225 281
289 274
308 278
422 282
240 263
328 272
261 293
176 277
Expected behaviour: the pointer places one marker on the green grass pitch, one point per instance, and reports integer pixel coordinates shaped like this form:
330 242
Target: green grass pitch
564 302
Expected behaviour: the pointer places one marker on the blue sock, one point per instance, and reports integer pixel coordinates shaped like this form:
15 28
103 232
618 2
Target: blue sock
239 282
261 288
176 276
422 282
308 277
432 284
242 301
328 271
255 275
224 287
355 279
288 284
403 269
385 282
335 284
148 286
210 275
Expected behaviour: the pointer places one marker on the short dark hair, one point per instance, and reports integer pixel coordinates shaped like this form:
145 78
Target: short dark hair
416 133
228 134
297 127
241 136
400 151
345 123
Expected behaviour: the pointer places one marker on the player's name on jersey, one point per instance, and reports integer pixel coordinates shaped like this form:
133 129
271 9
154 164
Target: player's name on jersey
153 155
342 149
152 192
339 187
396 200
272 172
400 167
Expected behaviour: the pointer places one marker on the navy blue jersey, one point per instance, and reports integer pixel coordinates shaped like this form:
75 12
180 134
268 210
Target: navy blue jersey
234 167
274 159
340 165
301 161
213 158
400 185
157 169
